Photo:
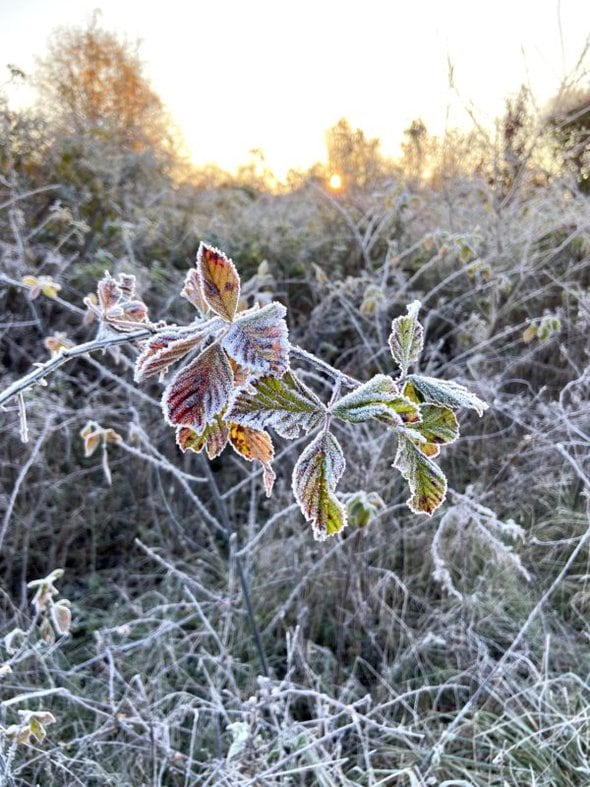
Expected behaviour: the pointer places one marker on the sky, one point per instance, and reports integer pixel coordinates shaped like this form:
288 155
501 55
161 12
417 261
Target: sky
242 74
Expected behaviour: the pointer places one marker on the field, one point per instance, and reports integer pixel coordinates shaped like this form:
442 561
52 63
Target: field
213 640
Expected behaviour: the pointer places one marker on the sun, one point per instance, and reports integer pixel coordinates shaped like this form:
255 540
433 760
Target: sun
335 182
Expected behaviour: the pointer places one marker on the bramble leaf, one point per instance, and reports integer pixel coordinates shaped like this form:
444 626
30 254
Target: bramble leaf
286 405
255 446
199 391
439 426
193 293
220 282
214 438
318 470
406 339
378 398
166 348
426 480
258 340
445 392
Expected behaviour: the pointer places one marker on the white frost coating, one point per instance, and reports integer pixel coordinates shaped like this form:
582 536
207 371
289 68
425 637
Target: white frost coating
199 391
318 470
447 393
286 405
259 340
426 480
166 348
406 339
369 400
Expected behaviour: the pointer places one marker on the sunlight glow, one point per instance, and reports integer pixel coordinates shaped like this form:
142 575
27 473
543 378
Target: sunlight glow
335 182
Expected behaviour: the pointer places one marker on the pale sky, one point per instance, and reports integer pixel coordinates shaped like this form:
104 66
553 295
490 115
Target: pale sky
243 74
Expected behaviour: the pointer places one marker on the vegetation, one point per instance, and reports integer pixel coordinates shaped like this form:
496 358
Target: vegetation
163 621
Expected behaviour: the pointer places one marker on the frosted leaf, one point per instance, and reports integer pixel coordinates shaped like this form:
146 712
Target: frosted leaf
318 470
286 405
406 339
258 340
193 293
439 426
255 446
199 391
378 398
220 282
166 348
426 480
445 392
214 438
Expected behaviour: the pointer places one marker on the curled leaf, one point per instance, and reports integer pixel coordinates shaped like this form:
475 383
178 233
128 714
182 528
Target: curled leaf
200 391
220 282
214 438
426 480
255 446
318 470
193 293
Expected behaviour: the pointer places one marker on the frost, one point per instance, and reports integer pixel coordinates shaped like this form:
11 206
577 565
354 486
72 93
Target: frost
259 340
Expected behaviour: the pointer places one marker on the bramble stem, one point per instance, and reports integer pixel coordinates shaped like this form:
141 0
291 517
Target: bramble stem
43 369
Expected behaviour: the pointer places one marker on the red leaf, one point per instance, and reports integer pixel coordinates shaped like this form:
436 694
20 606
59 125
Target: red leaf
164 349
199 391
220 282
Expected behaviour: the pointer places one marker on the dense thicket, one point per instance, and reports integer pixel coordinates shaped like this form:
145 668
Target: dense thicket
381 643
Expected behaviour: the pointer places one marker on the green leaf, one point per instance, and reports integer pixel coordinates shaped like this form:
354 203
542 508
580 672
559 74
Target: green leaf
445 392
406 339
378 398
214 438
286 405
318 470
439 426
426 480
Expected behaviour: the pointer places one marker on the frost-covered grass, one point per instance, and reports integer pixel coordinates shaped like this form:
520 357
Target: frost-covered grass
409 652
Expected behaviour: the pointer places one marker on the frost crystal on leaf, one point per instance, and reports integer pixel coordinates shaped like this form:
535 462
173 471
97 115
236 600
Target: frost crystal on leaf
439 426
258 339
214 438
318 470
426 480
199 391
406 339
220 282
193 293
255 446
166 348
285 405
378 398
445 392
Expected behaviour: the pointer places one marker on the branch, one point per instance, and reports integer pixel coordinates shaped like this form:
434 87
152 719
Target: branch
43 369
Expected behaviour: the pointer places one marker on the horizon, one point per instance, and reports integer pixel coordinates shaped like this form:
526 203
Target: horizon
284 78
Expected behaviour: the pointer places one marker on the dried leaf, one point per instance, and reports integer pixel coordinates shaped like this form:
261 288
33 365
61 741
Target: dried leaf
219 279
258 340
199 391
286 405
318 470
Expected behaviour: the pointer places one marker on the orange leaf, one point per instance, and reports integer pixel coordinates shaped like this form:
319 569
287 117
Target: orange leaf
220 282
255 446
